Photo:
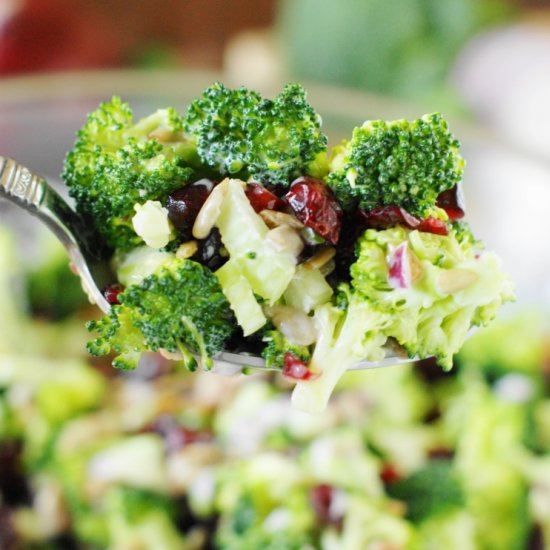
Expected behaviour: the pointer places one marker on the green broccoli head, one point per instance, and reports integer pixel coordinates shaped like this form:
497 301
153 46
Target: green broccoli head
402 163
433 490
433 288
276 346
180 307
116 163
240 133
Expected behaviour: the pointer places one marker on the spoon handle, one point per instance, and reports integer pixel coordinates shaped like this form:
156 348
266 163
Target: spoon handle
34 195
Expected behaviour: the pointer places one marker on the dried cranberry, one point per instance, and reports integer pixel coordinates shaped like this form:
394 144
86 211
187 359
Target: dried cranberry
296 369
262 198
451 201
321 500
111 293
382 217
433 225
387 216
184 204
389 474
176 436
315 205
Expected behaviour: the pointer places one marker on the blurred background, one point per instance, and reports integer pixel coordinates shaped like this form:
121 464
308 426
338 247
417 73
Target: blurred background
405 458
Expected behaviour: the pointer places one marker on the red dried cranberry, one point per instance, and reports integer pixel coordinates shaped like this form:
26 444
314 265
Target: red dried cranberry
389 474
451 201
433 225
176 436
184 204
296 369
262 198
388 216
111 293
315 205
321 500
382 217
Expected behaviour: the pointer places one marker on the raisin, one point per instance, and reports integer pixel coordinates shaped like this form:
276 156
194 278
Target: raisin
211 252
184 204
315 205
14 488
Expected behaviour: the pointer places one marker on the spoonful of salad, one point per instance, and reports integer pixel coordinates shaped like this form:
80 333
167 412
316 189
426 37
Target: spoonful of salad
236 236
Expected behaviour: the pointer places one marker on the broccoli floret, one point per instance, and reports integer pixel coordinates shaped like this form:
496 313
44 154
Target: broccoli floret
128 517
401 163
116 163
276 345
433 288
179 307
118 334
432 490
263 502
273 141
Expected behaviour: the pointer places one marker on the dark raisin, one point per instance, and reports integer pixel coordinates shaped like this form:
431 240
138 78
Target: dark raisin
211 252
14 489
184 204
315 205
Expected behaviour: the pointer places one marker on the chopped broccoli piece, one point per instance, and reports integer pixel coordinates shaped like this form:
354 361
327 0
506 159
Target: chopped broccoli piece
116 163
262 504
127 517
240 133
447 287
117 333
432 490
345 337
277 346
179 307
401 163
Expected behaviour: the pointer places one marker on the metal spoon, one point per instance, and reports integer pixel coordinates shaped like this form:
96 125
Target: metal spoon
34 195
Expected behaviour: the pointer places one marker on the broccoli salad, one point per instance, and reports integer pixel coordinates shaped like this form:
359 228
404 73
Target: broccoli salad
408 458
235 227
